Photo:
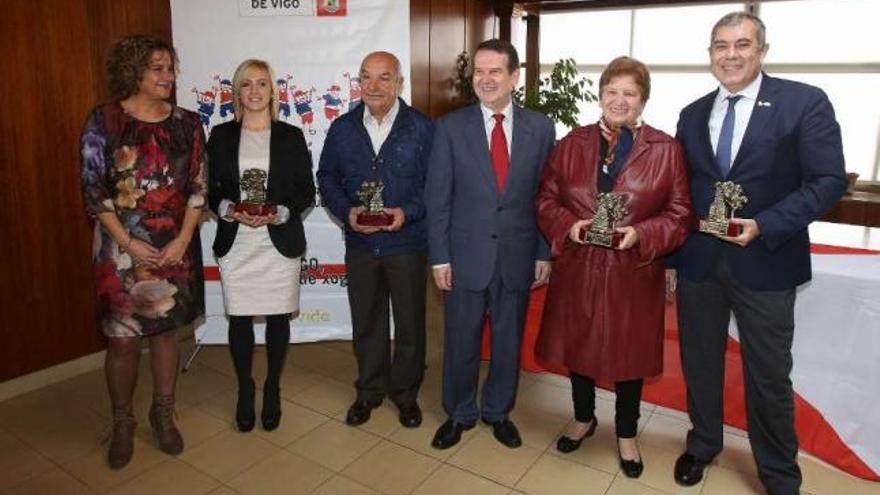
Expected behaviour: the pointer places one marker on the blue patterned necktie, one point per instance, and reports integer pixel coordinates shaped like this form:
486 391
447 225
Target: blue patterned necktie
725 139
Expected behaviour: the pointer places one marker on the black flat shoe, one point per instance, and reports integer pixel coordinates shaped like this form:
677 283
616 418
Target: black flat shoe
505 432
449 434
245 417
271 415
567 444
359 412
630 468
689 469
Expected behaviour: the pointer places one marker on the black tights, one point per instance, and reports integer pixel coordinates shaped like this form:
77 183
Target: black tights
241 346
626 416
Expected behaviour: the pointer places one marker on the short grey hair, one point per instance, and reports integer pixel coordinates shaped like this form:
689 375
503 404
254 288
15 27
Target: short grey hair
737 18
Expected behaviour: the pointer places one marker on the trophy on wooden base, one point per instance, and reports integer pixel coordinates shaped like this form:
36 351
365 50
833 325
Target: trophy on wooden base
729 197
370 195
609 211
253 188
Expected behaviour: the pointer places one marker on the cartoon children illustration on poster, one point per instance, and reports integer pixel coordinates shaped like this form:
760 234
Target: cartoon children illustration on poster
205 100
354 90
226 106
302 103
283 84
332 102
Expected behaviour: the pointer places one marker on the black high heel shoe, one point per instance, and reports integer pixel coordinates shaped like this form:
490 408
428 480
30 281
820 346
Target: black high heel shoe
245 417
271 415
567 445
630 468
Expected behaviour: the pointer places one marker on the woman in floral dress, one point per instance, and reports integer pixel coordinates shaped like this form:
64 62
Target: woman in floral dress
143 179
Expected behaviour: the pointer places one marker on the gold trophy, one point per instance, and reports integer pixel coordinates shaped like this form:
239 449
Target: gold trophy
729 197
370 195
253 188
609 211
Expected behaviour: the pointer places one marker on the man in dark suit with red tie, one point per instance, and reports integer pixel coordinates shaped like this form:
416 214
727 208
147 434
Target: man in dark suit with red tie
483 239
780 142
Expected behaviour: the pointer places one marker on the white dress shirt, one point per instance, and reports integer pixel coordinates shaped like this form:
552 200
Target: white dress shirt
379 131
743 108
506 124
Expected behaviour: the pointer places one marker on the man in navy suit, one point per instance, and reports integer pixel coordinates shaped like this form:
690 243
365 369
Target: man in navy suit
779 140
484 245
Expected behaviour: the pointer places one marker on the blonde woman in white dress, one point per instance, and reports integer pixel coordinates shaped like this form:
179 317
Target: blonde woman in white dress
259 254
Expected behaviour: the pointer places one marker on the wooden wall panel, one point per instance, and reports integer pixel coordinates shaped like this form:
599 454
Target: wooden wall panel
54 52
481 24
439 31
117 19
47 297
420 54
448 23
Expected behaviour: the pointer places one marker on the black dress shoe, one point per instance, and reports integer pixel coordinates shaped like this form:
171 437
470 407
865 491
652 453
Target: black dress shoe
567 444
505 432
448 434
271 415
410 415
359 412
245 417
630 468
689 469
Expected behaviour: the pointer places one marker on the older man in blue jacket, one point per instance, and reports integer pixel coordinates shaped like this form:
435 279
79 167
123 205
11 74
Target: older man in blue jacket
382 140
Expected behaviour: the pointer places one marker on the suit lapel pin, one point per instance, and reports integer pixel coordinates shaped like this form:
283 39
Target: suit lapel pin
764 103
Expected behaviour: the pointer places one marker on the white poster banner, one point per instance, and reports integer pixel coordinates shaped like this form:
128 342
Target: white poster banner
315 48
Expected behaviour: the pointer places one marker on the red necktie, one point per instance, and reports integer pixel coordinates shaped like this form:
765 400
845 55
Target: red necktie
500 156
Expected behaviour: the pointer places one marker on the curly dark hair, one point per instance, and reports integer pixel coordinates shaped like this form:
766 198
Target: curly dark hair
127 60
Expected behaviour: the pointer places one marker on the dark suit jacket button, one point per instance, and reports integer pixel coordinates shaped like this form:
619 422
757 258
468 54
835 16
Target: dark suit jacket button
494 236
499 208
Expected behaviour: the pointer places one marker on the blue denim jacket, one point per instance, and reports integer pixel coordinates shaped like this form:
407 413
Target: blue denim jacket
402 163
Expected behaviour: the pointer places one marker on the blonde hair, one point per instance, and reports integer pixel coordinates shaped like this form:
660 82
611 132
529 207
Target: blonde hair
238 80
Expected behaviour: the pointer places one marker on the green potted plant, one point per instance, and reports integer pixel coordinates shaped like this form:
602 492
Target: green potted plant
557 95
462 82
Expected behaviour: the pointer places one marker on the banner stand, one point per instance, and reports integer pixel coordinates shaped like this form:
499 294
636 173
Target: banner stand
315 48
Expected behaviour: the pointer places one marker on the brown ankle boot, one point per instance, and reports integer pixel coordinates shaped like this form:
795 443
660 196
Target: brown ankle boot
121 438
162 421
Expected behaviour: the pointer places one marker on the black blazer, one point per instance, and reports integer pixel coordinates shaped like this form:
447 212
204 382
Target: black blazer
290 183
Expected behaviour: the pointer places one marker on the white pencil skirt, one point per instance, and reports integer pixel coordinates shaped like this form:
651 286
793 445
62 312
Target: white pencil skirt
256 278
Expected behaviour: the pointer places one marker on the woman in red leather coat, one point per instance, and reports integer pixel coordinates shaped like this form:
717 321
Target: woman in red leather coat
603 319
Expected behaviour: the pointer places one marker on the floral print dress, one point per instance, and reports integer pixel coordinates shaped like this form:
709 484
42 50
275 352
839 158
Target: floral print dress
148 173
